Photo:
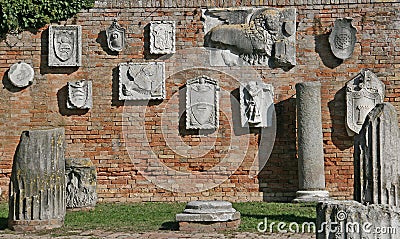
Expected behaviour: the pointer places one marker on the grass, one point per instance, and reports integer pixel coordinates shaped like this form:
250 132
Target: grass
153 216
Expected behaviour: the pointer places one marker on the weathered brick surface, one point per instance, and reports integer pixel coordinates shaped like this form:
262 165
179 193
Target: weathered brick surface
99 133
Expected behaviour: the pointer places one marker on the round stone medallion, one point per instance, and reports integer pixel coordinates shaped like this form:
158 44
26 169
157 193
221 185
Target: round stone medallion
21 74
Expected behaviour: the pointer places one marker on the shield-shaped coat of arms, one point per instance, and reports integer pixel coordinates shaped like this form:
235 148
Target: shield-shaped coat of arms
364 92
79 95
202 103
64 45
115 37
343 38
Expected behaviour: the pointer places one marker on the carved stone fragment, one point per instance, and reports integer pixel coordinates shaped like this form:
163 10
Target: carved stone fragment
142 81
352 220
363 92
202 103
343 38
260 36
115 37
162 37
21 74
81 181
376 158
65 45
37 184
257 104
79 95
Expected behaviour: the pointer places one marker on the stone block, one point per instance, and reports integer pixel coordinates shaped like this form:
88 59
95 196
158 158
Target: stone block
162 37
81 181
142 81
80 95
65 45
202 103
37 184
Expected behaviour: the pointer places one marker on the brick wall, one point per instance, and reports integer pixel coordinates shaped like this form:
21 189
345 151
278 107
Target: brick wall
121 139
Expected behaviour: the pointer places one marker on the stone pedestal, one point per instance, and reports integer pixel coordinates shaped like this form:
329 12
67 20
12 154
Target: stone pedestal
352 220
376 158
310 146
37 184
81 184
208 216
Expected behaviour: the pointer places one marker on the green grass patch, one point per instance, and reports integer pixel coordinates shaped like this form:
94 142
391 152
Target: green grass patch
153 216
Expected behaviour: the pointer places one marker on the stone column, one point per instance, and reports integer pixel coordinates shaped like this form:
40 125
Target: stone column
37 184
310 145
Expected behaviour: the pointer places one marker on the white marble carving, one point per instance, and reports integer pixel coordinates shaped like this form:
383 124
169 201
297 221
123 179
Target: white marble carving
79 95
115 37
364 92
142 81
256 104
343 38
260 36
21 74
202 103
162 37
65 45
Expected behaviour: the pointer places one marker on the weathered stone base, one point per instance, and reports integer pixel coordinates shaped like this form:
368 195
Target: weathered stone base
311 196
35 225
208 226
80 209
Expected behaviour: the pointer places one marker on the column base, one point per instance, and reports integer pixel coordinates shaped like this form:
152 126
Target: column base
311 196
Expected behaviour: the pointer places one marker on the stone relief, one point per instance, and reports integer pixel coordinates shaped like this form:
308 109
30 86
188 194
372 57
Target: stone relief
79 95
260 36
81 181
202 103
21 74
376 158
257 104
141 81
115 36
162 37
364 92
343 38
65 45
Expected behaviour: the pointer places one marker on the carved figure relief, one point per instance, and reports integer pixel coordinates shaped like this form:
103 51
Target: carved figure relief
79 95
115 36
81 182
141 81
202 103
343 38
257 105
21 74
260 36
162 37
364 92
65 45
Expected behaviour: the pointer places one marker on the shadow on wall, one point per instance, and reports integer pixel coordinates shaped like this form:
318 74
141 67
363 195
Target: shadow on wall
323 48
115 101
279 178
62 97
44 59
182 115
236 116
337 110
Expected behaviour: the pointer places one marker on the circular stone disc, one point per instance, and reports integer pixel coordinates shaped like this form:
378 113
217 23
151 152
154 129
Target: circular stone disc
21 74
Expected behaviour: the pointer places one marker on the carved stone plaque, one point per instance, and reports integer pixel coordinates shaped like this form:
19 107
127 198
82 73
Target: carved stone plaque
364 92
260 36
81 182
162 37
115 37
343 38
256 104
142 81
202 103
79 95
65 45
21 74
